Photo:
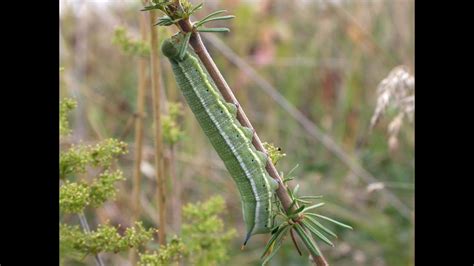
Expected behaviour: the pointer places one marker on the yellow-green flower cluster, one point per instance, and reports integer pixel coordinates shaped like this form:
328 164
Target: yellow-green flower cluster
105 239
204 234
166 254
65 106
75 160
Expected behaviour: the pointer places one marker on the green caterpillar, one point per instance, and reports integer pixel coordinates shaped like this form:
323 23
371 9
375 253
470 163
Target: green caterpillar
231 140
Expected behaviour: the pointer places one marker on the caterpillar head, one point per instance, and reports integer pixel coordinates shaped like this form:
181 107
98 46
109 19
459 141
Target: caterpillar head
170 47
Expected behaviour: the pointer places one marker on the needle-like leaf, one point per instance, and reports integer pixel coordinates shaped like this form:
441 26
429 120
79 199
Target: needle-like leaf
314 206
184 45
276 245
311 197
295 190
304 201
331 220
213 30
308 242
196 8
273 239
215 13
318 224
203 21
152 7
317 233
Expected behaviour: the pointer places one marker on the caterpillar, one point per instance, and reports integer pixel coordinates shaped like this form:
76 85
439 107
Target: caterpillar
231 140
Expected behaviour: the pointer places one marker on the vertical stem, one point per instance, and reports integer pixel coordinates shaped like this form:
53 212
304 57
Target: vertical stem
87 230
155 83
142 67
176 204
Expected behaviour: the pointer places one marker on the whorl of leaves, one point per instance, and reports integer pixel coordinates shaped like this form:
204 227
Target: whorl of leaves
301 220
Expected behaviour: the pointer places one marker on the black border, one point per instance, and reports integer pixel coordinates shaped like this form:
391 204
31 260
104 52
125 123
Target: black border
30 131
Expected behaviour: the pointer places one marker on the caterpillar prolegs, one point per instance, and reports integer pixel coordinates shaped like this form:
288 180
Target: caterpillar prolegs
232 141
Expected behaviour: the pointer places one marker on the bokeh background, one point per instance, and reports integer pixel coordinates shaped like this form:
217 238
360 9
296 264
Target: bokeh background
324 58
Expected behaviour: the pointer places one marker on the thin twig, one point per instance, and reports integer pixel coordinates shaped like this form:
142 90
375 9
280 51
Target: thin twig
155 82
142 67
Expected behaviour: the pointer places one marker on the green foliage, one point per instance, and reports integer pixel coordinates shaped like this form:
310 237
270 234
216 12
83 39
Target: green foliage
204 240
204 234
78 157
172 133
73 197
103 188
65 106
166 254
105 239
128 45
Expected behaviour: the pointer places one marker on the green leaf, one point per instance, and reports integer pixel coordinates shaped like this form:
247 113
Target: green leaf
270 256
331 220
196 8
273 239
184 45
313 249
167 21
301 208
203 21
311 197
314 206
215 13
295 190
318 224
275 229
304 201
152 7
287 179
164 21
213 30
278 243
317 233
293 169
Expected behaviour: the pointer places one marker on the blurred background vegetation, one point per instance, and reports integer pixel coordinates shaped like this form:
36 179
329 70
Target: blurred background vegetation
326 58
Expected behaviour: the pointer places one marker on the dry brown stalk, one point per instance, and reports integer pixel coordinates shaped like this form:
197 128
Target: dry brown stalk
155 82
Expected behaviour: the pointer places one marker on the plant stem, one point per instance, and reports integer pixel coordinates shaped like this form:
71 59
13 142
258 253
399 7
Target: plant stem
142 67
155 83
228 95
176 186
87 230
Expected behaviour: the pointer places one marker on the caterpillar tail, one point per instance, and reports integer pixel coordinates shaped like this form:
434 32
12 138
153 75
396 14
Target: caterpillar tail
249 234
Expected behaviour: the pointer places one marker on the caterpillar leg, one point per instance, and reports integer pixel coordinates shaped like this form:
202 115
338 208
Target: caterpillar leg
274 184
